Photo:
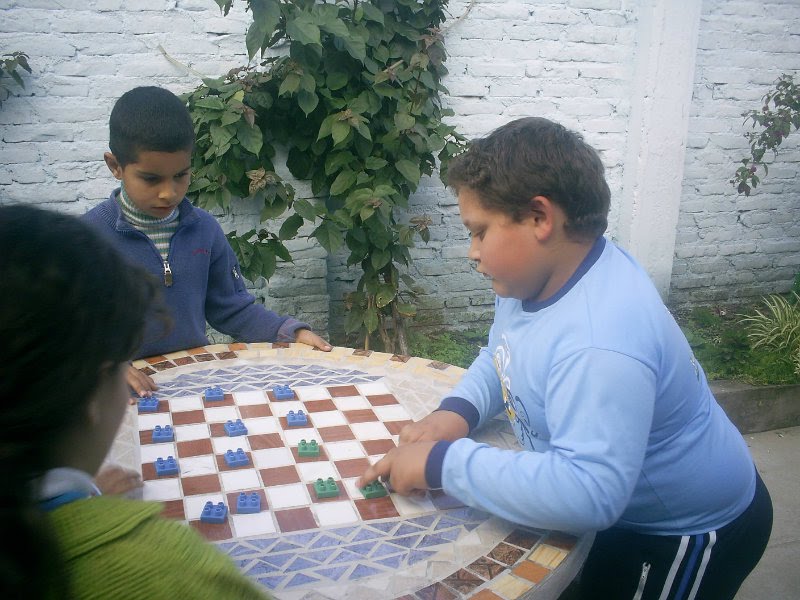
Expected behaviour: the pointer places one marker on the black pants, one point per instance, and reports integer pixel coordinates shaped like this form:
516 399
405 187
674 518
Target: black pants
710 566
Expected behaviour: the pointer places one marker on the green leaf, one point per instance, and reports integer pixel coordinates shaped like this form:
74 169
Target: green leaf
305 209
371 319
354 319
211 102
326 126
343 182
249 137
336 27
372 13
406 310
337 160
254 39
337 80
339 131
380 258
404 121
386 293
329 236
267 261
303 30
290 227
290 84
307 101
408 170
373 163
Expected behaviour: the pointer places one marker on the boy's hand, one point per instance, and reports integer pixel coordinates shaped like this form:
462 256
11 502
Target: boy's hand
439 425
140 383
306 336
403 467
116 480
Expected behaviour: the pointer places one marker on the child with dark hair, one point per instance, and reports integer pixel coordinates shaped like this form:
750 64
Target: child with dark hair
620 432
151 222
71 316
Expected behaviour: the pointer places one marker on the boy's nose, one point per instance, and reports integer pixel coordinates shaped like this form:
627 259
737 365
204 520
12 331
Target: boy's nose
167 192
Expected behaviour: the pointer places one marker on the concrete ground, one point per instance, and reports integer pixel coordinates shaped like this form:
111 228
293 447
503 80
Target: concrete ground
777 576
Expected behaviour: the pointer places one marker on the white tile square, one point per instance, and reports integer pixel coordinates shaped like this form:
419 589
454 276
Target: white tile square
311 392
197 465
327 418
220 414
393 412
370 431
197 431
344 450
272 457
162 489
185 403
351 403
222 444
243 479
281 409
193 505
373 389
261 425
409 506
334 513
150 420
285 496
250 398
351 488
314 470
293 436
254 524
150 452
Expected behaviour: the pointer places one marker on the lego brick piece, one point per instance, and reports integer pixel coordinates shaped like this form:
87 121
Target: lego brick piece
248 503
148 404
283 392
166 466
296 419
373 490
308 448
326 488
214 513
213 394
236 459
234 428
163 434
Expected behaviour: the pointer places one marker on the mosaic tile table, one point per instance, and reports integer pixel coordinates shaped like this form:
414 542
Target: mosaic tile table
302 548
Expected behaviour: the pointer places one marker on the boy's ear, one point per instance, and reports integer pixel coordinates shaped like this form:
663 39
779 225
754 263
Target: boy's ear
113 165
545 216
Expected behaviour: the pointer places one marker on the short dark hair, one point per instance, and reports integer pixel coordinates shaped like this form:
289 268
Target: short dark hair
532 157
149 119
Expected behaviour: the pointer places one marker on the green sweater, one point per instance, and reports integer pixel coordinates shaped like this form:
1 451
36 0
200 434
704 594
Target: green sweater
119 548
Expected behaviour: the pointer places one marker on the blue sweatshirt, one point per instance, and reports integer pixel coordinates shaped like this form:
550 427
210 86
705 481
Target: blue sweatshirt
617 421
206 282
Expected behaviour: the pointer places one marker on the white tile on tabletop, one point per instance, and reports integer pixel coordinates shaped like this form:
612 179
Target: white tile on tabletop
272 457
223 444
351 403
393 412
261 425
194 504
373 389
253 524
282 408
352 489
196 431
250 398
286 496
185 403
409 506
311 392
197 465
328 418
242 479
335 513
312 471
162 489
374 430
345 450
294 436
150 452
220 414
150 420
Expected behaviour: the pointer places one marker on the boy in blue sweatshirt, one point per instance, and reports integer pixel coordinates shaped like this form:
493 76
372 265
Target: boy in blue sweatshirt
152 223
620 432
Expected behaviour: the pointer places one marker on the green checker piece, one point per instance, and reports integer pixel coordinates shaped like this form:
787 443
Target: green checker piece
326 488
308 448
373 490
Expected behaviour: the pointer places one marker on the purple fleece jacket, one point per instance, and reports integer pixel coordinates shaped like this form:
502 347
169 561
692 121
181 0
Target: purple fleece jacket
207 284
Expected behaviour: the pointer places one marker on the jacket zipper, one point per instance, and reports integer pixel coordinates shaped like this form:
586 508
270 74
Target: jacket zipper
167 274
642 581
235 273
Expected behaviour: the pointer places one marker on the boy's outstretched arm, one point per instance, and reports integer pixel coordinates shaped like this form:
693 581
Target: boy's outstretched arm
140 383
403 467
439 425
306 336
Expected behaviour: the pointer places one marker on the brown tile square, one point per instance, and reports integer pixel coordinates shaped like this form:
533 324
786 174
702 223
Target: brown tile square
198 350
382 399
263 441
561 540
377 446
531 571
217 430
183 360
233 498
395 427
214 532
352 467
188 417
437 591
364 415
378 508
304 459
194 448
486 595
295 519
173 509
155 359
226 355
523 539
254 411
149 472
163 366
403 358
227 400
281 345
338 433
313 495
279 476
201 484
237 346
223 466
463 581
444 502
360 352
342 391
486 568
147 371
506 554
203 357
439 366
313 406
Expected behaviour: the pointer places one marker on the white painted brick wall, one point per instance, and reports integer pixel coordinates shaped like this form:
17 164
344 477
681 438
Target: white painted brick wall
570 61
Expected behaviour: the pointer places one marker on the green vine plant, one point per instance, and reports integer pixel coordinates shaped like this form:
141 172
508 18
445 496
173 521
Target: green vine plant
10 65
351 91
777 327
771 125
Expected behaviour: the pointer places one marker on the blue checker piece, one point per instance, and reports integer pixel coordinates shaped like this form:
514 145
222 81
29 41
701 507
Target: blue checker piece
148 404
166 466
283 392
248 503
234 428
214 513
296 419
214 394
163 434
236 459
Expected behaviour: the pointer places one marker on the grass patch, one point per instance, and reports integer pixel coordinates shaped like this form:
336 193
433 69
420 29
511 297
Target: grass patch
457 348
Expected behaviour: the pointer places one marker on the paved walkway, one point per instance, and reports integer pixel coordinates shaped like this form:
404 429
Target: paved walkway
777 576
